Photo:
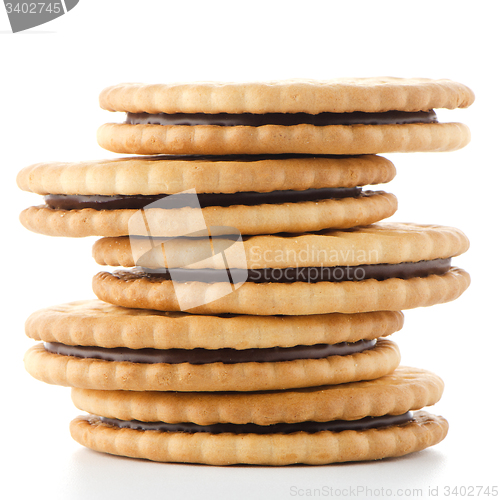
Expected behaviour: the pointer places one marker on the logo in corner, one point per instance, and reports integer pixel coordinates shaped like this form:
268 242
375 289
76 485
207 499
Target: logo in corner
171 236
26 15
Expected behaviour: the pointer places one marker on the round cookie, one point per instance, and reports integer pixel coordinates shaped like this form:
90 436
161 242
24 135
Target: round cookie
405 389
91 344
131 289
94 373
381 243
217 174
380 267
340 95
92 322
342 116
255 195
422 431
349 422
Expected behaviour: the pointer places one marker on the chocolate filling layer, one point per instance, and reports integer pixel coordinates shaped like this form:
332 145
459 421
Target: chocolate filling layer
136 202
286 119
379 272
281 428
200 356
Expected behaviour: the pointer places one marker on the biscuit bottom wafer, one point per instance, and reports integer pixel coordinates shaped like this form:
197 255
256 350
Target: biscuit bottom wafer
130 289
341 213
272 449
277 139
88 373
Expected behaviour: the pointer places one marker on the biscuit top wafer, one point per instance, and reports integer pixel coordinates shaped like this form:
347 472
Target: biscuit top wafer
381 243
96 323
403 390
219 174
342 95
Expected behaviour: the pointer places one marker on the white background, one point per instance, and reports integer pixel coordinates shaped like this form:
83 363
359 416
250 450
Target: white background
50 80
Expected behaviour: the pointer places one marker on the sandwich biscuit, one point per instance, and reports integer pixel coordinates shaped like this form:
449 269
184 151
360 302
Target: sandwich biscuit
344 116
342 423
252 194
384 266
93 345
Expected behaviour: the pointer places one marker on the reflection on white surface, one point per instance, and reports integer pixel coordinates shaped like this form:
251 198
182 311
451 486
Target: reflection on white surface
143 479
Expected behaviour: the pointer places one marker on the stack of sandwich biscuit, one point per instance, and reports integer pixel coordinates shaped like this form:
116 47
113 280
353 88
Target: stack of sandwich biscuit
256 286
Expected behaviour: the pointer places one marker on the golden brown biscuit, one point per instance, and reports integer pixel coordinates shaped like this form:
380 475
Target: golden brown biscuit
203 127
93 373
341 95
274 139
384 266
224 174
422 431
381 243
405 389
368 207
348 422
254 194
129 289
96 323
